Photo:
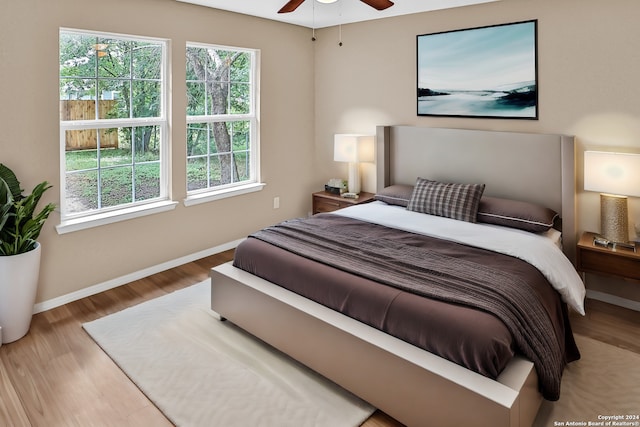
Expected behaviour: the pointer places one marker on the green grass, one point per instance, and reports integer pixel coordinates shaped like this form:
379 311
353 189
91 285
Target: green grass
115 174
88 159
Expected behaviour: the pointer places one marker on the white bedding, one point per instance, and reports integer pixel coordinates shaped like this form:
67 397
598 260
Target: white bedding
539 250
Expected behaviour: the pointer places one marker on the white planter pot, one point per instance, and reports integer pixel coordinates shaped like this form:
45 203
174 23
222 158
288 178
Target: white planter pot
18 285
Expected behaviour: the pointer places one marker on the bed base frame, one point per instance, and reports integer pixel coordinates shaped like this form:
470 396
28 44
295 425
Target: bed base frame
413 386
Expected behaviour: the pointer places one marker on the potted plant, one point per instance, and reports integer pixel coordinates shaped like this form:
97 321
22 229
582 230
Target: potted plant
20 226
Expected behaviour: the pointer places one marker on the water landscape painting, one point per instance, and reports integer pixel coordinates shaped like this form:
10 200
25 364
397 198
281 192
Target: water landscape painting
479 72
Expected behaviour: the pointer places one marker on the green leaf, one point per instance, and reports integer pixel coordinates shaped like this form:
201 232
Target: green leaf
12 181
6 203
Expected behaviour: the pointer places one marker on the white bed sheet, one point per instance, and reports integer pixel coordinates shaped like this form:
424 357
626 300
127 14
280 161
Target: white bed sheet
540 250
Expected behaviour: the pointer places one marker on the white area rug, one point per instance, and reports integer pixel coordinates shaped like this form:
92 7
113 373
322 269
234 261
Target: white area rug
202 372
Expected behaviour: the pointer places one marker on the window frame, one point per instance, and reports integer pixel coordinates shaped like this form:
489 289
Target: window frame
211 193
95 217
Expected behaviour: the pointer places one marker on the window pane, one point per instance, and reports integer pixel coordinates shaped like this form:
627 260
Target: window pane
77 159
114 57
216 103
197 177
196 99
77 55
220 141
241 71
240 98
241 135
76 109
217 168
147 61
241 165
114 157
114 99
77 89
197 135
147 179
81 191
116 185
146 141
146 98
111 109
197 58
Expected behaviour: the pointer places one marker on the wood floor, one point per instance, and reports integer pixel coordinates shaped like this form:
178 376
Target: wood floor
58 376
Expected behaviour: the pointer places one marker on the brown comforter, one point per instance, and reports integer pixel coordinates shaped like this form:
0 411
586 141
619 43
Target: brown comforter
415 267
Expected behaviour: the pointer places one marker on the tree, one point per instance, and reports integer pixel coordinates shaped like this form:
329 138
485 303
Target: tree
213 67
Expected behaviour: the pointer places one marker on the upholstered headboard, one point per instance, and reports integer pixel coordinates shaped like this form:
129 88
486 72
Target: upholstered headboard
538 168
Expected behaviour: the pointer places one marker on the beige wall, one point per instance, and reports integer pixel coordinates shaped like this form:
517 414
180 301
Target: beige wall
29 131
588 62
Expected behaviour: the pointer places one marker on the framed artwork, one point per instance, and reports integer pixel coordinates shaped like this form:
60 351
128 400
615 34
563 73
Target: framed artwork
488 72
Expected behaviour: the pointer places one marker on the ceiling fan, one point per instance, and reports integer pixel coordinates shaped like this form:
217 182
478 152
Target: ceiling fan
292 5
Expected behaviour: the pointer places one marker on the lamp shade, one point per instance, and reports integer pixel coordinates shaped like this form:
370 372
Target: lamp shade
612 173
353 148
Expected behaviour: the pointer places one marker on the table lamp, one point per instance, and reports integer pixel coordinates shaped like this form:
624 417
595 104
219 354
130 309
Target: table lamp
615 176
354 149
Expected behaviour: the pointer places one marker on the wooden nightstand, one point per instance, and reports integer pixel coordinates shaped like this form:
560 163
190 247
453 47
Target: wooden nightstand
327 202
620 262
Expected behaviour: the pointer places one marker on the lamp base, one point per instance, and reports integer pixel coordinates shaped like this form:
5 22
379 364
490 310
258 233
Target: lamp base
354 178
614 218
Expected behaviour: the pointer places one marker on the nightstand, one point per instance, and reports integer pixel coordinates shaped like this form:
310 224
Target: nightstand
328 202
619 262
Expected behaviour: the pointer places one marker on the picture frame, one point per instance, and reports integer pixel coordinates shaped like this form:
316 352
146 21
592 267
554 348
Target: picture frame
482 72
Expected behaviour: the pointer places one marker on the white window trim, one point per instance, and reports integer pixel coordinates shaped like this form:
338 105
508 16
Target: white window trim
210 196
205 195
75 222
104 218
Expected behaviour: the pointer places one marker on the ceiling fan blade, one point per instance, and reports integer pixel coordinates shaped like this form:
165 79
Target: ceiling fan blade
378 4
290 6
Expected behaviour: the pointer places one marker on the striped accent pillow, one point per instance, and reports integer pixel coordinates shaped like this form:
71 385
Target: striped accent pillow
456 201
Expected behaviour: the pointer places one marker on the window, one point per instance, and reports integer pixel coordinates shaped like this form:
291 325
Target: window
113 122
222 124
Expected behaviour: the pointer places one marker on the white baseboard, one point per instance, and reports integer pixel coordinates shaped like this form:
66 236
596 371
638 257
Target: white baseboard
137 275
613 299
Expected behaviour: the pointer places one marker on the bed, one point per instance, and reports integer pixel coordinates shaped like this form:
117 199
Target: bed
415 386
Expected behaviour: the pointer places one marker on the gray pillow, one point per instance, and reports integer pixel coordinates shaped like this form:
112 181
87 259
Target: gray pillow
516 214
397 194
456 201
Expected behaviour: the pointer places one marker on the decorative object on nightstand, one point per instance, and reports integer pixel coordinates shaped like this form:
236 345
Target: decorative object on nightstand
336 186
354 149
615 176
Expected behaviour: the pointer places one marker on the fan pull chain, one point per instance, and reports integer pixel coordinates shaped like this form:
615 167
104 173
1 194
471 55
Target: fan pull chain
313 19
340 26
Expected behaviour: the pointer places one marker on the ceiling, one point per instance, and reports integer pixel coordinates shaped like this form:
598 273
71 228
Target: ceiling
313 14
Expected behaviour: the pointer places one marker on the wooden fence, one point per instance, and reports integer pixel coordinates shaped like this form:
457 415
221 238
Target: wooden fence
80 109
